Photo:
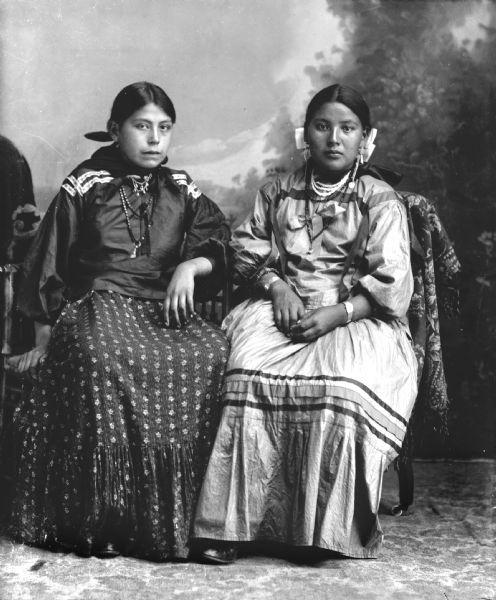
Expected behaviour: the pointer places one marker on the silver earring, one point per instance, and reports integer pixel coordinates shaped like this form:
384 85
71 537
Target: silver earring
306 152
358 162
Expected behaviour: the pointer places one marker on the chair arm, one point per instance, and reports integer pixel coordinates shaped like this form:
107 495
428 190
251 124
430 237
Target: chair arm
8 273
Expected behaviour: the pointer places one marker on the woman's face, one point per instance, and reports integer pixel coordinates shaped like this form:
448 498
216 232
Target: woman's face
334 136
144 137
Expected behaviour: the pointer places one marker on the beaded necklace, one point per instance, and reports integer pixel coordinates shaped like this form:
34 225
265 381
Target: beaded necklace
144 213
325 192
326 189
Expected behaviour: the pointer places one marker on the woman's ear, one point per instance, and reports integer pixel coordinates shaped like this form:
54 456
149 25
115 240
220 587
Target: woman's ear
113 129
365 137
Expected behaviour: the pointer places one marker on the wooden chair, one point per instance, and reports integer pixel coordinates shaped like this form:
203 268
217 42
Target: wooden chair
17 336
436 273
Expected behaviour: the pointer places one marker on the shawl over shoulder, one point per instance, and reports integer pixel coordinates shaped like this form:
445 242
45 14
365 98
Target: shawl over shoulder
436 273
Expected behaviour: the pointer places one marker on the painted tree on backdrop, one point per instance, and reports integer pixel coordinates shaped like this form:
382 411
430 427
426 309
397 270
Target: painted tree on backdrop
279 140
235 201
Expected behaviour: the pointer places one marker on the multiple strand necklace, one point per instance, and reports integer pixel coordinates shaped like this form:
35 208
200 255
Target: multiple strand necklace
325 193
324 190
144 213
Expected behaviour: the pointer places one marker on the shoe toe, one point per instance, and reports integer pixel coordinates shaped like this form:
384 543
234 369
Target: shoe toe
107 550
220 556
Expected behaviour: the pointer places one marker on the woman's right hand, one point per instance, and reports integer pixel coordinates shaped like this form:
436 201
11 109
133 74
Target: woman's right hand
31 360
288 307
28 362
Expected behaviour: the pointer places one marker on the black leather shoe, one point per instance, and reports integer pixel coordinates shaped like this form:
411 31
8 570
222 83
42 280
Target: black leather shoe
224 555
107 550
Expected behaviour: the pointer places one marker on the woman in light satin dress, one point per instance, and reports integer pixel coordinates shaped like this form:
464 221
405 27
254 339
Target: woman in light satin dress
321 379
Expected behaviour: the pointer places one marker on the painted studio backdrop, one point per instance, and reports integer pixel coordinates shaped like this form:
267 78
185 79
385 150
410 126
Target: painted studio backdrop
240 74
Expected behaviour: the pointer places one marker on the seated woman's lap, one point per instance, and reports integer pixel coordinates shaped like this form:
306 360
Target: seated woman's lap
377 354
112 362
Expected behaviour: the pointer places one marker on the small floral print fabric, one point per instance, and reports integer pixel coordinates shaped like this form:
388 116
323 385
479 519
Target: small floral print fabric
113 443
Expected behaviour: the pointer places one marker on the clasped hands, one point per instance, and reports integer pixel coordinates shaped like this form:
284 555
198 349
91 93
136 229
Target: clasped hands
292 319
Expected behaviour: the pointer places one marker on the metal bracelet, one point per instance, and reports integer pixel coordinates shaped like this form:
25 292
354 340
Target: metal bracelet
348 306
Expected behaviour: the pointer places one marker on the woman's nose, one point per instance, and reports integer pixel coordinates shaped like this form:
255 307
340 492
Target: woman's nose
334 136
153 136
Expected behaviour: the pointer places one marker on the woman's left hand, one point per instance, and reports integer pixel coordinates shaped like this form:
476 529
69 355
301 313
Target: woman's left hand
179 304
318 322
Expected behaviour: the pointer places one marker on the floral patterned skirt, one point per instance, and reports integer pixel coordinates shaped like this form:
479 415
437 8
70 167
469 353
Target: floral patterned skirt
112 444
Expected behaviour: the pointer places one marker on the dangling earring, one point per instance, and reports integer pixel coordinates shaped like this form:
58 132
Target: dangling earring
306 152
358 162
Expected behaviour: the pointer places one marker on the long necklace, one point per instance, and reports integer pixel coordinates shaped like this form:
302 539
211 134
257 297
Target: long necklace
144 213
327 192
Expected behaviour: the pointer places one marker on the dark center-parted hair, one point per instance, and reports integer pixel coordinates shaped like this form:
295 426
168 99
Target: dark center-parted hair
343 94
135 96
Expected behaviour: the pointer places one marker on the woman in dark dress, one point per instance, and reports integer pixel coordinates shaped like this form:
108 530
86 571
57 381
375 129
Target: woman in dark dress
111 447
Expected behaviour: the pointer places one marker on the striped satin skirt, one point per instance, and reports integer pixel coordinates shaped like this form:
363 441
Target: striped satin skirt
306 433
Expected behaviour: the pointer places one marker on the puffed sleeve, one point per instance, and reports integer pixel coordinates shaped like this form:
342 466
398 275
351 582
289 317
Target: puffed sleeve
388 281
207 235
252 240
46 268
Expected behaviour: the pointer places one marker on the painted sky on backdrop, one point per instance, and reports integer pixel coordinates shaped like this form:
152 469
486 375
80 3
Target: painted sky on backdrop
228 65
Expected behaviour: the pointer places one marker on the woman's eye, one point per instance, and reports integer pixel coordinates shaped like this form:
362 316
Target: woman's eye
141 125
322 126
165 128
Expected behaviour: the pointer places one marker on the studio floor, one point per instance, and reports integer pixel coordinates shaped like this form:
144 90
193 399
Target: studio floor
445 549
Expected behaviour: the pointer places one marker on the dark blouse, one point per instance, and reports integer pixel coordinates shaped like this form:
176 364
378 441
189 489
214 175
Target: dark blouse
83 242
